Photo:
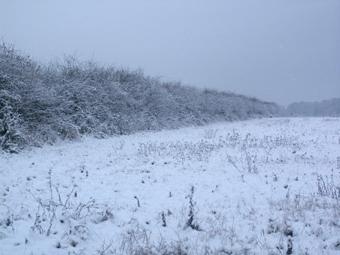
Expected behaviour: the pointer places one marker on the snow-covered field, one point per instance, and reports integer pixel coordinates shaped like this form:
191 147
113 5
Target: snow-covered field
267 186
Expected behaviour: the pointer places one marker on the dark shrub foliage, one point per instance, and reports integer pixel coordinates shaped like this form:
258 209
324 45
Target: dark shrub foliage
43 103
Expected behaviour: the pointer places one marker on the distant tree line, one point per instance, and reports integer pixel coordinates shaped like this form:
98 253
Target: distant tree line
330 108
41 104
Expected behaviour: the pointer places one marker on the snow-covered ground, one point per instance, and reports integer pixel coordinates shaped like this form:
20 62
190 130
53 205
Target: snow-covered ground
268 186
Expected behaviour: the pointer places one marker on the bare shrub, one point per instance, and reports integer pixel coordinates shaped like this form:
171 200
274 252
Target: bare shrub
327 187
250 158
137 241
57 209
190 223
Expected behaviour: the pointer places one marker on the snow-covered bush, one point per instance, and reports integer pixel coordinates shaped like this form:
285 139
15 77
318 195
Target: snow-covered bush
43 103
329 107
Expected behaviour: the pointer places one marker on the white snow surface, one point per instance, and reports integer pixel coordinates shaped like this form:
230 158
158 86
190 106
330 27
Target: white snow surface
267 186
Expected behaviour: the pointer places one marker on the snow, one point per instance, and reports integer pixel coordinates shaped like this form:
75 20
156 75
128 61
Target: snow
257 189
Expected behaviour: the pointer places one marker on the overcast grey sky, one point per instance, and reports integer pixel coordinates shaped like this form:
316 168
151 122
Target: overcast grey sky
277 50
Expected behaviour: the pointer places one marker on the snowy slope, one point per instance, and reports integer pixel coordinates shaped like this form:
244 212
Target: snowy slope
265 186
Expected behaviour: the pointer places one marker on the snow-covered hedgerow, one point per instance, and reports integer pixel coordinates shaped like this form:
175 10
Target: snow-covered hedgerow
324 108
43 103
